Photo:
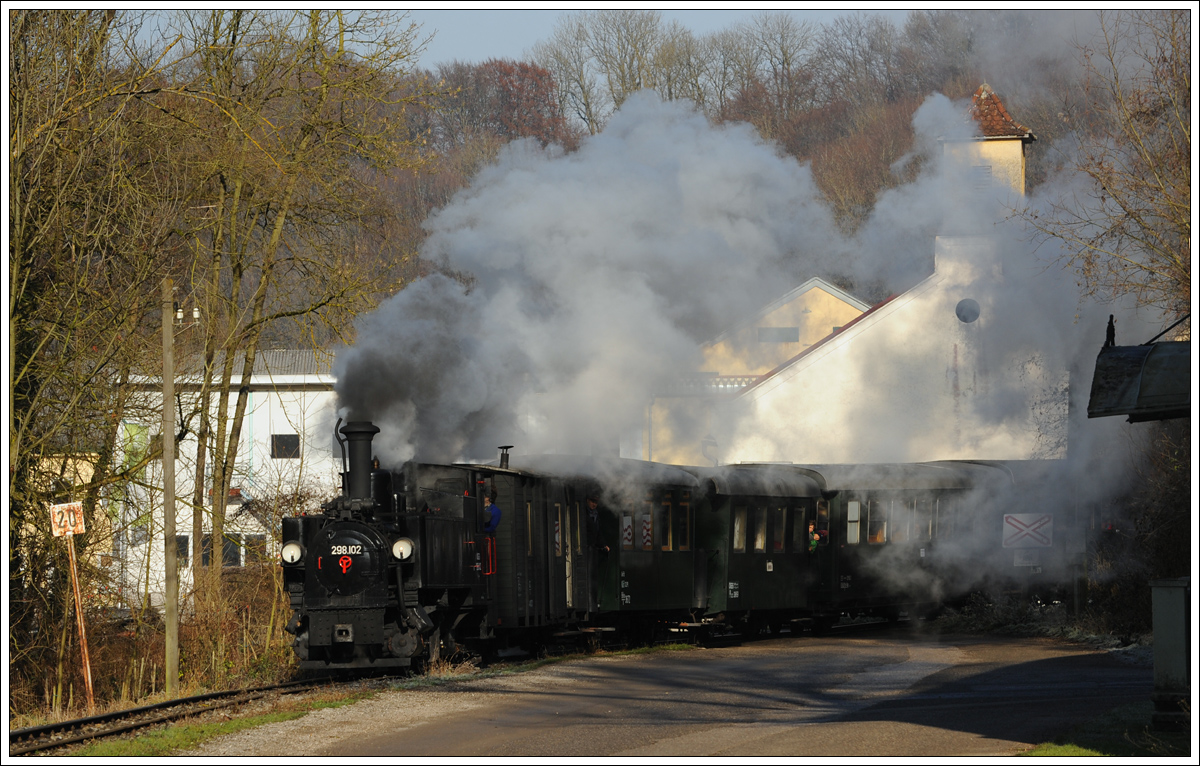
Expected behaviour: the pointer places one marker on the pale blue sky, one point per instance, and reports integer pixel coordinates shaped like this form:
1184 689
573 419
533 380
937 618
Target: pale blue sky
473 36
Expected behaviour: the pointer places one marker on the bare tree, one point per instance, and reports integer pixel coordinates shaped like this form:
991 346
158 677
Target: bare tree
89 216
567 55
282 112
1129 231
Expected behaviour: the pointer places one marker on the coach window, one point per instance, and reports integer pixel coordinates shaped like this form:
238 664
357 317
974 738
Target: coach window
944 523
626 531
683 522
780 528
528 529
760 530
877 519
558 530
664 521
823 520
739 529
647 525
575 530
800 528
923 520
901 519
853 513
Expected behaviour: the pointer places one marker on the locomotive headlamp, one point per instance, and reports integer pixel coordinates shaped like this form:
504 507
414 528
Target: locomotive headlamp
402 549
292 552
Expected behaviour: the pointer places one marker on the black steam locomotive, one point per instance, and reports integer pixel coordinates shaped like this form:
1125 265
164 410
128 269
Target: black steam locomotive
399 571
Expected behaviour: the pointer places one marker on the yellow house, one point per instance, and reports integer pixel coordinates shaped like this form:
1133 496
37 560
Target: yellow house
679 421
996 154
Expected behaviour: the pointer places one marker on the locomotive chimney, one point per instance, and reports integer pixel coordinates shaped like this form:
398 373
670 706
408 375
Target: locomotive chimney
504 455
359 434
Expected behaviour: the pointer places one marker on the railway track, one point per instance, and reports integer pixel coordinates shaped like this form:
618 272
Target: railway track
36 739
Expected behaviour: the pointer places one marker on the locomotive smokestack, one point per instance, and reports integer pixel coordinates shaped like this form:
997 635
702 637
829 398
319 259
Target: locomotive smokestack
504 455
359 434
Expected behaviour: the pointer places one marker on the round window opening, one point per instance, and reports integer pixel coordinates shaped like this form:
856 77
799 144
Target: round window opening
967 310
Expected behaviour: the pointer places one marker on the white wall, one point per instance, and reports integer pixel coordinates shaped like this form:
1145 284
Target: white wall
909 381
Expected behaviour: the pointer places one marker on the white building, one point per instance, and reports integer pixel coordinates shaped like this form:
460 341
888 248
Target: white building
286 453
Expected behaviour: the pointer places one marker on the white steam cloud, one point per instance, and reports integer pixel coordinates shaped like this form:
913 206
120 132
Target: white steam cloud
597 274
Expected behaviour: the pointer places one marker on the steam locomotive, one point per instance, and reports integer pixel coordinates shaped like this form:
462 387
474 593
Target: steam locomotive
398 571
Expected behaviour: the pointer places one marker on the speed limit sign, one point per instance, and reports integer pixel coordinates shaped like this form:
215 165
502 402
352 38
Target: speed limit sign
67 519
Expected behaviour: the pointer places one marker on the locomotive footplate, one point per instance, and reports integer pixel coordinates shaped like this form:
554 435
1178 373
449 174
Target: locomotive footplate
342 626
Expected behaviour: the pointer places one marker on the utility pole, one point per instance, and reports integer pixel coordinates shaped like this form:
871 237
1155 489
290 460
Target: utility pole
168 461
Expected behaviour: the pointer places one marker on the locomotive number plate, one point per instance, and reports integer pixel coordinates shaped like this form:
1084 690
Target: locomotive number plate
345 550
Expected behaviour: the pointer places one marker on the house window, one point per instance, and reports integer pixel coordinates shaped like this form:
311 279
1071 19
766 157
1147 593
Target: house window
779 335
182 550
231 554
284 446
981 177
256 549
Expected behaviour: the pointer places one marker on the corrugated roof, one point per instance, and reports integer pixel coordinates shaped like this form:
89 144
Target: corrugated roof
293 361
993 119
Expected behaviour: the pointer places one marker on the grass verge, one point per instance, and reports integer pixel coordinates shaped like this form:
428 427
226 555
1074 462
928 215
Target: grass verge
1124 731
189 734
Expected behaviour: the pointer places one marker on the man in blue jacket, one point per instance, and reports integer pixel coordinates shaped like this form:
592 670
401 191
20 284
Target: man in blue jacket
491 515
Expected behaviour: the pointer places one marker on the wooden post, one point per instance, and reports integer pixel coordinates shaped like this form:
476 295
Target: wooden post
65 521
170 553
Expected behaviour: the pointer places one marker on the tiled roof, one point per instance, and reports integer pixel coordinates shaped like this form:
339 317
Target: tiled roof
994 120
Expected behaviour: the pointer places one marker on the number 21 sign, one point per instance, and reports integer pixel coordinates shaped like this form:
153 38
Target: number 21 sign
67 519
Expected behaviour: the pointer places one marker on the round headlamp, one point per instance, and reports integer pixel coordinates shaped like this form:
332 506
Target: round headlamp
292 552
402 549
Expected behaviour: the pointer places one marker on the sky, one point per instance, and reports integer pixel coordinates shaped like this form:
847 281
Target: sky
473 35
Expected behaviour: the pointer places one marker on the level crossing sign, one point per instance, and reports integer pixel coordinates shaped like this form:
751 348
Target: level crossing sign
1028 530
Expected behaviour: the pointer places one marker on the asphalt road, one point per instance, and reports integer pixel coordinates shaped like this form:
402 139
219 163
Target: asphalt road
895 693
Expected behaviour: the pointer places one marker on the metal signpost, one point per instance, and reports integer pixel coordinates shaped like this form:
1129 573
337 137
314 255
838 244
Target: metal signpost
66 520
